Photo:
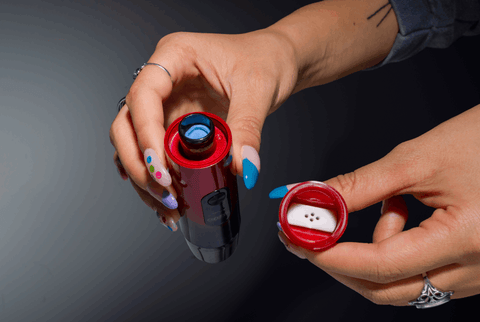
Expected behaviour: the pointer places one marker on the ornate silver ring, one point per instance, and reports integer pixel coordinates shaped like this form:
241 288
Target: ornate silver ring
430 296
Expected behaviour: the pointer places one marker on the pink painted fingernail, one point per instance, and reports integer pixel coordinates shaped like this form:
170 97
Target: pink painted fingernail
156 169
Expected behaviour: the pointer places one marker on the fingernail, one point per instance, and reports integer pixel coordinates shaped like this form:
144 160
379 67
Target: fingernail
382 209
165 197
171 224
168 223
251 166
169 200
228 161
156 169
279 226
279 192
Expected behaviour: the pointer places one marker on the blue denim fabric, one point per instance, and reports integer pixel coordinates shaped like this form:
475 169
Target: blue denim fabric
431 23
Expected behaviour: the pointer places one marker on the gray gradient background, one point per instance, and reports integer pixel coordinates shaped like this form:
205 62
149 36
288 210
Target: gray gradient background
77 244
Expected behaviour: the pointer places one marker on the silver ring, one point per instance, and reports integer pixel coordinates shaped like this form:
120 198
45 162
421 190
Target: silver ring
430 296
135 74
121 103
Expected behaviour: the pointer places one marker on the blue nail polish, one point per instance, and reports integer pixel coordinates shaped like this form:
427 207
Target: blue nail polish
250 174
228 161
279 226
279 192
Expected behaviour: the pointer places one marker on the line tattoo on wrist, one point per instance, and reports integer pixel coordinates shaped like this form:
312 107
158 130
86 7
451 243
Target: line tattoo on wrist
380 9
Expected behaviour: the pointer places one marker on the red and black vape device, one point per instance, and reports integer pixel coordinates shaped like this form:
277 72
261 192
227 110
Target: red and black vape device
197 146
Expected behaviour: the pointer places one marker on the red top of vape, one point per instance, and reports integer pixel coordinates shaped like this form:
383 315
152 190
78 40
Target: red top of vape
222 141
316 194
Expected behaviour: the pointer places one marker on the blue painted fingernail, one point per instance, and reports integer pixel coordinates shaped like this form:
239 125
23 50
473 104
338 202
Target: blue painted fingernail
279 192
250 174
228 161
251 166
279 226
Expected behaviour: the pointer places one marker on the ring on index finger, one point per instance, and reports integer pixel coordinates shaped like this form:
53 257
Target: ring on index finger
122 102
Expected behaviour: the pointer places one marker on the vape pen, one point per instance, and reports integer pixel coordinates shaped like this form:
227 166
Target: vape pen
197 146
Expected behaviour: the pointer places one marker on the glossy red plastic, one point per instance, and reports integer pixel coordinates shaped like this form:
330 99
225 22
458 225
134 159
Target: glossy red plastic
222 141
316 194
193 179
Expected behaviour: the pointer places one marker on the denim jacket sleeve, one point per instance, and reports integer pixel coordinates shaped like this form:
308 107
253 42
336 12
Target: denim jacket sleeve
431 23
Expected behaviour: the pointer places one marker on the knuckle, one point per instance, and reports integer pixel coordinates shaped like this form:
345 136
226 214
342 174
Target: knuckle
114 130
412 164
462 226
180 44
345 182
174 37
134 93
251 126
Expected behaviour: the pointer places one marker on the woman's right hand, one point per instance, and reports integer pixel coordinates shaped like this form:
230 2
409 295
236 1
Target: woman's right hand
439 168
242 78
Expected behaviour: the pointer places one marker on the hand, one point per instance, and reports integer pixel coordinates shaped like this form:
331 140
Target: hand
241 78
441 169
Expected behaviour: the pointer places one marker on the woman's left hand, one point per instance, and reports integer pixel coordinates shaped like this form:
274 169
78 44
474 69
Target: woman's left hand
441 169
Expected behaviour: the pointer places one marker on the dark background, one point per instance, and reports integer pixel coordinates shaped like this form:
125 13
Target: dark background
77 244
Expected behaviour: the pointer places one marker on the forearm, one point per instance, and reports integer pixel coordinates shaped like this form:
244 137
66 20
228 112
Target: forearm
332 39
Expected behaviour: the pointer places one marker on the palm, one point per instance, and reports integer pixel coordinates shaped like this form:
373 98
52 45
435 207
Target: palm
195 95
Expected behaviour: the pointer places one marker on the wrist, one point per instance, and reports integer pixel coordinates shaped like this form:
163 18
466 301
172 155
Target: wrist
332 39
282 68
308 42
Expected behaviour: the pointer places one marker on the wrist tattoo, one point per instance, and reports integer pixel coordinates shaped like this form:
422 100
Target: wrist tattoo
380 9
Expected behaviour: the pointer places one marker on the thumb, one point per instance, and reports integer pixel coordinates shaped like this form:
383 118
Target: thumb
374 182
245 119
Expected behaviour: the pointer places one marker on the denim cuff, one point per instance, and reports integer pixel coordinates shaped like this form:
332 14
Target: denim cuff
430 23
